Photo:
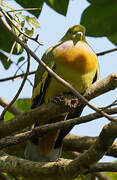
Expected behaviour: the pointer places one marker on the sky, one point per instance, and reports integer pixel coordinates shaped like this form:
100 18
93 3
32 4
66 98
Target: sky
52 27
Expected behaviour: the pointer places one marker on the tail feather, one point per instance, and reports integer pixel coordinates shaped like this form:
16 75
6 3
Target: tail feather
32 153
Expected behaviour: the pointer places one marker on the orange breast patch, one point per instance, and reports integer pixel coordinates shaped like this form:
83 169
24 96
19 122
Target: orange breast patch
80 57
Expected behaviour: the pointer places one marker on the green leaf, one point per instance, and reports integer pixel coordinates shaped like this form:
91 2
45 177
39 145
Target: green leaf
101 2
66 155
8 116
20 59
113 38
5 4
32 4
112 175
23 104
59 6
32 21
6 40
3 59
100 21
29 32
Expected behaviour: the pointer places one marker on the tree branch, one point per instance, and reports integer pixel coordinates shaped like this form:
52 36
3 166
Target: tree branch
24 9
64 169
14 110
16 77
105 52
104 167
30 169
42 130
51 110
94 153
81 143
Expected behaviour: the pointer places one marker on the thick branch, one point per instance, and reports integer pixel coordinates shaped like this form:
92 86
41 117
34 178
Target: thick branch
30 169
81 143
48 171
44 112
102 86
65 169
39 131
95 152
106 166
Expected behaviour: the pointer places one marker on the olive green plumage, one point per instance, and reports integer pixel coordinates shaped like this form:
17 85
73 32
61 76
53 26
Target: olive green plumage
73 60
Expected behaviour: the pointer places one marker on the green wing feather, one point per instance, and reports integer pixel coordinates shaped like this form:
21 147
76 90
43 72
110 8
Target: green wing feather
42 79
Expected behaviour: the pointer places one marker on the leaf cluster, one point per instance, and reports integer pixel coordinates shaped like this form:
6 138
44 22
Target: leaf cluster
99 18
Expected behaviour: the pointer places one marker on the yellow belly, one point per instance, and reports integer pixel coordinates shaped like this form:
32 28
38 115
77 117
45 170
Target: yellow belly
80 81
77 65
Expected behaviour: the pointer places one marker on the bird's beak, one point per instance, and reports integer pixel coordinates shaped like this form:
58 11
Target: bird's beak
79 35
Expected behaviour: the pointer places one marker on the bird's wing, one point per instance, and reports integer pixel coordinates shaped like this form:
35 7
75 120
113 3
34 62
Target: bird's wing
42 79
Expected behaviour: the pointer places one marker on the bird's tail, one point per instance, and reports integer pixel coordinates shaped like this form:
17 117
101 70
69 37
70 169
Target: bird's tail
32 153
43 148
48 147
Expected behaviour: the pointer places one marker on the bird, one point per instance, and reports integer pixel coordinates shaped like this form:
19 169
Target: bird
74 61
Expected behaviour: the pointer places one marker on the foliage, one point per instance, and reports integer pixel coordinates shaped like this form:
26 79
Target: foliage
112 175
99 19
59 6
23 104
26 24
3 59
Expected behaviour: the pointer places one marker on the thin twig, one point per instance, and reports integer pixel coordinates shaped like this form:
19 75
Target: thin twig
15 77
105 52
114 103
19 90
11 51
34 39
53 74
19 67
25 9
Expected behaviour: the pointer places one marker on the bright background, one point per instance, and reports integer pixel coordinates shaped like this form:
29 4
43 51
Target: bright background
52 27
